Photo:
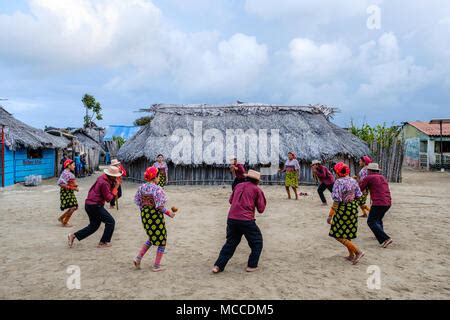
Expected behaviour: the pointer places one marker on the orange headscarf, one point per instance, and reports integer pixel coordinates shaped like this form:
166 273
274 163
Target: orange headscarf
341 169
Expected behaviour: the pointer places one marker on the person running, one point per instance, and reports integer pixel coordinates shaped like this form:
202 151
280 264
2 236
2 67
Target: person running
68 185
245 198
103 190
151 199
381 202
325 178
116 163
343 216
238 171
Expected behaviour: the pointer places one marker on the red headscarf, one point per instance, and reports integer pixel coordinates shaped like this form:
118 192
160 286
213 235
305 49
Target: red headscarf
367 160
67 163
294 156
341 169
150 173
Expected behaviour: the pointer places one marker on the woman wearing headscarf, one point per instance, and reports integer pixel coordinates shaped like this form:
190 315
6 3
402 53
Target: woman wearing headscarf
68 185
343 216
151 200
292 169
364 162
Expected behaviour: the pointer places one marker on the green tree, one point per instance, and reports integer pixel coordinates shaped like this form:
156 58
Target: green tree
93 110
142 121
120 141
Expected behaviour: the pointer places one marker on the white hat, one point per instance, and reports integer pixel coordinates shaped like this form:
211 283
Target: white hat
373 166
253 174
113 171
316 162
115 162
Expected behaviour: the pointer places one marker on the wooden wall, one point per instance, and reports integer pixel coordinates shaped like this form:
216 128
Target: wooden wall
25 167
216 175
9 168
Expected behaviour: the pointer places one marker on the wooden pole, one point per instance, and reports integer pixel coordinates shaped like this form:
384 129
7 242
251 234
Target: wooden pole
3 156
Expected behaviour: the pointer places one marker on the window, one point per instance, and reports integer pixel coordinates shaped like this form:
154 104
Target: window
424 146
445 146
34 154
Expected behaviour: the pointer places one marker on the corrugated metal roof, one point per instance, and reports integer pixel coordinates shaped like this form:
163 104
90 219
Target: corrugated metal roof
432 129
125 132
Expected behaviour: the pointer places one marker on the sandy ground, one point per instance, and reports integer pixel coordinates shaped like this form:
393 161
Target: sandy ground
299 260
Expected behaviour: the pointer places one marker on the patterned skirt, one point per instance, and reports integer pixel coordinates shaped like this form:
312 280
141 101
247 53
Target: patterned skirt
291 179
162 180
345 221
154 225
363 199
68 199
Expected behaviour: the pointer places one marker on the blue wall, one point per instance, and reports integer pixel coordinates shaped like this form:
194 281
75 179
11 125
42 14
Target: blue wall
9 168
18 166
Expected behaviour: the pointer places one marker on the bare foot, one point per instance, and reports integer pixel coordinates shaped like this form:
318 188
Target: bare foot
137 264
350 257
251 269
104 245
70 239
157 269
216 269
386 243
67 225
363 216
358 257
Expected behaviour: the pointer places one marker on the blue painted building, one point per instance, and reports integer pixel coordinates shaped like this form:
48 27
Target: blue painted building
26 151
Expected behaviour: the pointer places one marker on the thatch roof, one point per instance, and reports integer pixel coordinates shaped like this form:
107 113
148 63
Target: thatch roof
84 138
306 130
20 135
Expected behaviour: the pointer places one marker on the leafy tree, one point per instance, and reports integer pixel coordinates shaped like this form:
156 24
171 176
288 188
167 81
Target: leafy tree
120 141
91 105
142 121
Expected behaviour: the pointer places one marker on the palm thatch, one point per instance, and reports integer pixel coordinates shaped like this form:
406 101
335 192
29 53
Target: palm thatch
87 140
306 130
20 135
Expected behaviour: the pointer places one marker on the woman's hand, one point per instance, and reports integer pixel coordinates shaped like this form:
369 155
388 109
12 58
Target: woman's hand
329 220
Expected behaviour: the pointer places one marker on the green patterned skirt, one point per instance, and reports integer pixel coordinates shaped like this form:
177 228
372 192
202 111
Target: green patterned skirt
363 199
68 199
154 225
291 179
162 180
345 221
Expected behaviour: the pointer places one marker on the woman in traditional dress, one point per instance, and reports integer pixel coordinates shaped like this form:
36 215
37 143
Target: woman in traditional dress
343 215
68 185
151 199
163 170
292 169
364 163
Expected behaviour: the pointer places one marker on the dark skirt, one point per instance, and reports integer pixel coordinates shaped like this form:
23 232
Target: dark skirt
154 225
68 199
345 221
363 199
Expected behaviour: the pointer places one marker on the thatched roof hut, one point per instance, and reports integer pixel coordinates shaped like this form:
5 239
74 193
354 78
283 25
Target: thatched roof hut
306 130
20 135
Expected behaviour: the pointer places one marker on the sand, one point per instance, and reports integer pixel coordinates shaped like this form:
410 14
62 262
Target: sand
299 260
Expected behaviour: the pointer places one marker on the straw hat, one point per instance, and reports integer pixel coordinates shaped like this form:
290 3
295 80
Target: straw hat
113 171
253 174
316 162
115 162
373 166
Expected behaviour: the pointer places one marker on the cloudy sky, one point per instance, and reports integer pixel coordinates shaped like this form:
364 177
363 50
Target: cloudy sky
132 53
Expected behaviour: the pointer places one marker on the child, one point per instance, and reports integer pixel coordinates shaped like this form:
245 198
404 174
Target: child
151 198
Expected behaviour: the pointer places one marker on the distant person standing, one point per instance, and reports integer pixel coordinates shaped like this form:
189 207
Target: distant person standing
246 197
103 190
292 170
325 177
238 172
381 202
78 165
163 170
